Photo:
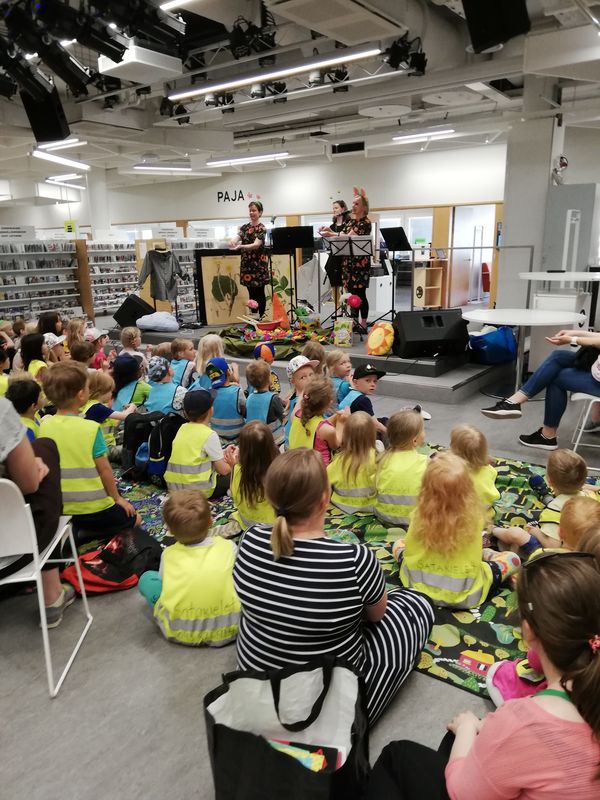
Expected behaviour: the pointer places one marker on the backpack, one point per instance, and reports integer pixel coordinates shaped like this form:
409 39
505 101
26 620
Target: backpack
116 565
153 456
136 430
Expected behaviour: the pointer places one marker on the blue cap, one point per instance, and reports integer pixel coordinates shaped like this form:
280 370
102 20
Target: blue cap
217 369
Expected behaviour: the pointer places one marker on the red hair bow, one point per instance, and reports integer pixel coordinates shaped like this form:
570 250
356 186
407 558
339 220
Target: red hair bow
595 644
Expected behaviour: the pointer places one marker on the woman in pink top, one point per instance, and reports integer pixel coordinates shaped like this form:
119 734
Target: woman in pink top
544 747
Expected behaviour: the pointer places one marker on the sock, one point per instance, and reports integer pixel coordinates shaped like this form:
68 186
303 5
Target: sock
59 600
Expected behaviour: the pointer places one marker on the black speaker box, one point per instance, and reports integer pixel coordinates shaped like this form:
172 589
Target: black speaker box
46 117
428 334
493 22
132 308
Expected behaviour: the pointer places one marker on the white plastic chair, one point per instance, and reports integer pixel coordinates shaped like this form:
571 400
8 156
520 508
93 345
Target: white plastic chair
589 400
17 538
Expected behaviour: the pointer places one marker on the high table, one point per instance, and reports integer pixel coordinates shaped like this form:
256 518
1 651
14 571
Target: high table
523 318
592 278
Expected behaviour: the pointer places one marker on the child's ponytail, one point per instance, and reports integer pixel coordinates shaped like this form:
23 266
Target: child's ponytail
317 397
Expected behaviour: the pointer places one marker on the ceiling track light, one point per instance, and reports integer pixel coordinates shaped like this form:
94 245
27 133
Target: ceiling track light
276 75
158 168
66 162
234 162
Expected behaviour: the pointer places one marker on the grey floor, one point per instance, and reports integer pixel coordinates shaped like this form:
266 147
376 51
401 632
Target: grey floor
128 722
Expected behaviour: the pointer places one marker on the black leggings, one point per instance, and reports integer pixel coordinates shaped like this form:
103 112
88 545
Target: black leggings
410 771
364 306
258 293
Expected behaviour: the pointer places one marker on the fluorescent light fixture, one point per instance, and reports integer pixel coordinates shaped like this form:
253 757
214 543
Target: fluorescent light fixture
424 137
268 77
29 56
68 185
174 4
63 145
68 176
153 168
66 162
233 162
67 42
113 26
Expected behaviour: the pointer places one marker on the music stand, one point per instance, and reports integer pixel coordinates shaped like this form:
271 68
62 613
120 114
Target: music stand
285 241
396 242
351 247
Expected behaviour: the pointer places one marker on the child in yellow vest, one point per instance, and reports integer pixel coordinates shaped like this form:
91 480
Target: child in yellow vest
443 556
99 409
4 365
197 459
470 444
566 473
352 471
251 460
88 485
34 352
401 469
26 396
192 596
310 428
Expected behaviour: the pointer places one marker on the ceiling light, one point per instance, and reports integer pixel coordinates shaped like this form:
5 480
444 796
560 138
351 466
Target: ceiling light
233 162
267 77
155 168
64 145
67 42
256 90
113 26
424 137
69 176
29 56
68 185
66 162
174 4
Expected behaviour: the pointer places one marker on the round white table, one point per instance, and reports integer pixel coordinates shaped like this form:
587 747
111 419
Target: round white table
522 318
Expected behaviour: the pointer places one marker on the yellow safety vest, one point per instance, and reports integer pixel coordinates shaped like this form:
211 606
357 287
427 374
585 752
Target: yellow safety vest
3 384
459 579
484 481
358 496
35 366
198 604
399 479
189 467
108 429
261 514
33 425
82 488
304 435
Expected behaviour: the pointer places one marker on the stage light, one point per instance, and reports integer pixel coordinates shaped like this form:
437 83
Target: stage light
418 64
398 54
8 87
233 162
316 78
28 78
166 107
257 90
279 92
66 162
339 77
145 20
178 111
89 31
210 101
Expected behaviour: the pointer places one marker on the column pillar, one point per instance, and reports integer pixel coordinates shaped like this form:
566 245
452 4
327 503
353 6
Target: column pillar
98 202
532 147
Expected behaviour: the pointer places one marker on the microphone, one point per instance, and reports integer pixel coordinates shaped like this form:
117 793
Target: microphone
541 488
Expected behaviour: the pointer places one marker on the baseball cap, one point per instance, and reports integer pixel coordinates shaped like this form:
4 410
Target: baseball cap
92 334
52 339
364 370
297 363
217 369
198 401
158 367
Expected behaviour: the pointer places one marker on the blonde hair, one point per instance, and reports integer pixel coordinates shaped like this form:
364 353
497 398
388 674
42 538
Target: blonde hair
470 444
75 331
590 542
295 484
210 346
100 383
577 516
333 358
187 516
403 427
317 397
30 327
448 510
258 374
359 442
178 346
163 350
315 351
129 335
566 471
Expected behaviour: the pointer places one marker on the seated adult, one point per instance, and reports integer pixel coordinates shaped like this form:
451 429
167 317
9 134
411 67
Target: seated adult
539 747
562 372
36 471
304 595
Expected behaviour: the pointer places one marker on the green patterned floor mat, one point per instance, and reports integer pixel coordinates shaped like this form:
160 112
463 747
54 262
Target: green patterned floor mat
463 644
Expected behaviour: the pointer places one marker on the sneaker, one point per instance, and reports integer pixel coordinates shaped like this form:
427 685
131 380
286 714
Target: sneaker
538 440
425 414
54 613
504 683
503 409
591 427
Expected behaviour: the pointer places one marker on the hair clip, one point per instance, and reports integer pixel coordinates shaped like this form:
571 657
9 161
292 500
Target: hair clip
280 512
306 397
594 643
530 606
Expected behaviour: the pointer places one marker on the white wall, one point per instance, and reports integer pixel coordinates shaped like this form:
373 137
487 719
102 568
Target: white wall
469 175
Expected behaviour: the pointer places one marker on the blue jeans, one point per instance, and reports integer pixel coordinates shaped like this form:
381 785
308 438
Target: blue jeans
150 586
558 376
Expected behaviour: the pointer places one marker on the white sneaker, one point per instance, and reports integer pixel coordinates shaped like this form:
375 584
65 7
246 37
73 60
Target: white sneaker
425 414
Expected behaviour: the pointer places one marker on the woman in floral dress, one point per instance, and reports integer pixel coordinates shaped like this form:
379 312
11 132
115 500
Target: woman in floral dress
254 271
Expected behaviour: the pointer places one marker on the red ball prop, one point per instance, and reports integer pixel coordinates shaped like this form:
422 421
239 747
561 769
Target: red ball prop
354 301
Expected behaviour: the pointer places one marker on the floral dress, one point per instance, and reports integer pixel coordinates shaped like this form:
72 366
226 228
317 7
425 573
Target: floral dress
255 263
356 270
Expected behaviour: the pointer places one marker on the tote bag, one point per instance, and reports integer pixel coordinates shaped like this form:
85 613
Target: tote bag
497 346
316 711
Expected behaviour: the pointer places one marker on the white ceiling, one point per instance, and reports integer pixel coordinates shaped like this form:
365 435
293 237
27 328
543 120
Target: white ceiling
380 102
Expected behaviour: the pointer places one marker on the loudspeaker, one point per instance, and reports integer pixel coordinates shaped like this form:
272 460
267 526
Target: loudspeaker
493 22
46 117
132 308
427 334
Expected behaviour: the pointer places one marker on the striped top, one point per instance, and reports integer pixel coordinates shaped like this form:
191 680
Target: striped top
305 605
